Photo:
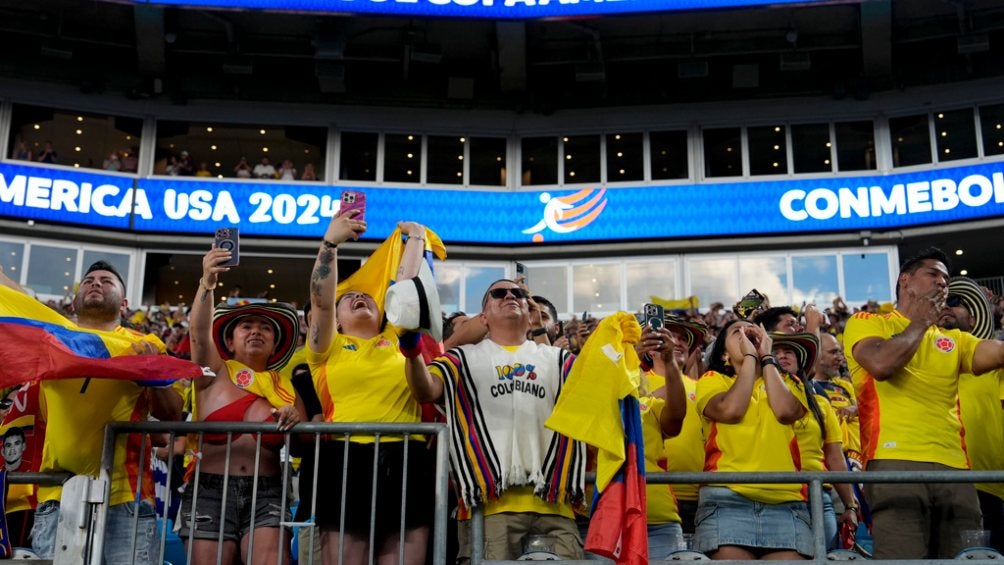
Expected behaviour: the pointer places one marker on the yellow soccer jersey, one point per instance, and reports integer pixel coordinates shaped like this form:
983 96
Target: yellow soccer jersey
75 418
522 499
758 442
841 394
362 380
983 418
685 452
299 358
913 415
660 500
810 437
273 386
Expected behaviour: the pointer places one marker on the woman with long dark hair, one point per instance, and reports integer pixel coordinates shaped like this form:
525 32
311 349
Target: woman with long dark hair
747 410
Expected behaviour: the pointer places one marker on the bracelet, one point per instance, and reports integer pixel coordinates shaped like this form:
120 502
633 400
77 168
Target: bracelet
328 244
416 237
750 355
769 360
203 284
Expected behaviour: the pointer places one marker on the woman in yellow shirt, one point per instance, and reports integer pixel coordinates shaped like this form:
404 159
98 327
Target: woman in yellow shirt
747 410
359 368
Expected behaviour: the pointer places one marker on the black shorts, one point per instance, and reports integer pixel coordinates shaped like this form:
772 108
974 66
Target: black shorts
420 501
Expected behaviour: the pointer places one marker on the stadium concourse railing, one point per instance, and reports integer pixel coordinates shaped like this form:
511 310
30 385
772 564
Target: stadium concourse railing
83 513
81 539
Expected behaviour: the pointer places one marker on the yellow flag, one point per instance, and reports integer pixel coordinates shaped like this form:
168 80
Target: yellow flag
376 274
679 304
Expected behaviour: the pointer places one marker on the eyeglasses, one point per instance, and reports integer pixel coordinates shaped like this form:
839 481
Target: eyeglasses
6 403
500 293
953 301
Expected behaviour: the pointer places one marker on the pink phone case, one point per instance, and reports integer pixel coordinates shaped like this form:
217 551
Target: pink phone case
354 200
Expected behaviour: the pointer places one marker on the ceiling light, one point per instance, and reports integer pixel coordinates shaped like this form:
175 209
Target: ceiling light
958 252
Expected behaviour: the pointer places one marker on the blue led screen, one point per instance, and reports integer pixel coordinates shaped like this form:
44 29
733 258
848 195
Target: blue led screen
493 9
594 214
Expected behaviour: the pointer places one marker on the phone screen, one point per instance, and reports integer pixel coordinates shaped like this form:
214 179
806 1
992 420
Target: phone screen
229 239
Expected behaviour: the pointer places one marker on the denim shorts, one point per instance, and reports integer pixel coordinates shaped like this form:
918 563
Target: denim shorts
727 518
121 547
237 519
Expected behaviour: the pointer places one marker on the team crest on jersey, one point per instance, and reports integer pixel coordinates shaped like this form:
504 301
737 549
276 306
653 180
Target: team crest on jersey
383 343
945 344
244 378
692 396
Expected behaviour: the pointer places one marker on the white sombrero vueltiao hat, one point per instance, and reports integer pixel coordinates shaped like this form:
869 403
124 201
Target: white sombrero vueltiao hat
413 304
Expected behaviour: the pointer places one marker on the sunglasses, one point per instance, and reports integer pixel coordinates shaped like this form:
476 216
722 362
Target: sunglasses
953 301
6 403
500 293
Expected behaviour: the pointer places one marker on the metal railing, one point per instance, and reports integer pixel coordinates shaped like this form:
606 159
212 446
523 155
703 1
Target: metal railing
815 480
88 547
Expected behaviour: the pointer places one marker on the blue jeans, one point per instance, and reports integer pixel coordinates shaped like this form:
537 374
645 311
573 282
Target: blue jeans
664 539
829 521
118 536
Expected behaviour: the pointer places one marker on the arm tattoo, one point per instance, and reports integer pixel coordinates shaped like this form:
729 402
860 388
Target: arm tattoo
205 295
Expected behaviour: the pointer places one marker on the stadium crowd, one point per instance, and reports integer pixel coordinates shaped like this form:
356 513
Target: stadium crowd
914 386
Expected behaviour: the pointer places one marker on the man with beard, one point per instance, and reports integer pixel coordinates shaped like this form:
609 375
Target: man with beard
906 375
77 410
968 309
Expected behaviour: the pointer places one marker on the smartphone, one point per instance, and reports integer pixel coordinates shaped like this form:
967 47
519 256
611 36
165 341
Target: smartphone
521 272
653 316
354 200
585 315
749 304
229 239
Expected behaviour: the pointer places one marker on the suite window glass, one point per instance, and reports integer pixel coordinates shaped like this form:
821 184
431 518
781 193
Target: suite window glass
992 128
625 160
11 257
814 279
768 150
539 160
911 140
855 146
769 275
358 156
723 155
810 148
955 133
75 139
402 160
118 260
650 278
582 158
597 287
866 277
551 282
668 150
488 161
477 280
713 279
446 159
229 150
448 282
51 270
